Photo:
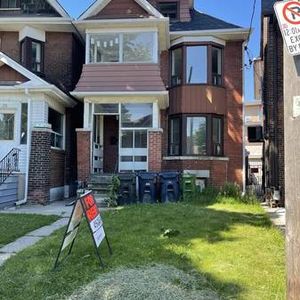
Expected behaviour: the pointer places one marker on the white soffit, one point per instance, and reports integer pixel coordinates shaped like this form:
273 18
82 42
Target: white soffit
191 39
33 33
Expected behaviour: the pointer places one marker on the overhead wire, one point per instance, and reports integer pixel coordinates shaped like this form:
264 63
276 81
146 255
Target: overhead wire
247 50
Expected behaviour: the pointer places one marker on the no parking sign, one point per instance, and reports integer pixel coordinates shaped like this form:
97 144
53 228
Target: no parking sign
288 16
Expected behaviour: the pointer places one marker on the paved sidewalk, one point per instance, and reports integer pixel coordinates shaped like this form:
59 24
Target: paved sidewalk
30 239
58 208
277 216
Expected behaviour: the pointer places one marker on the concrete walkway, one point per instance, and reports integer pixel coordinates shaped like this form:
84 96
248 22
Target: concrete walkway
277 216
30 239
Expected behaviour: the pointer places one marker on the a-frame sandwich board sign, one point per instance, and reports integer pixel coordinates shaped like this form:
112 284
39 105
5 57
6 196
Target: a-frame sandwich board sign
84 206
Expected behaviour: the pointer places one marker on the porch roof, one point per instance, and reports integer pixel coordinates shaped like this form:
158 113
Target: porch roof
120 78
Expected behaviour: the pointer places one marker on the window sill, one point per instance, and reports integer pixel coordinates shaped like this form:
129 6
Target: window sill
205 158
10 9
57 149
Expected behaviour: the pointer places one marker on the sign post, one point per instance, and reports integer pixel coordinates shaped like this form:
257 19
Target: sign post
288 16
84 206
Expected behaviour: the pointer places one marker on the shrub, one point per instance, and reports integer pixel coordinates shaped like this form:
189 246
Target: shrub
113 193
231 190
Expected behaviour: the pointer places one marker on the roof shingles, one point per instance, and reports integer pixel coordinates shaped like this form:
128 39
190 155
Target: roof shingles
201 21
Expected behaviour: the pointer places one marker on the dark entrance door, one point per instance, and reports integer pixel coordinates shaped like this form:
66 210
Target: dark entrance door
111 144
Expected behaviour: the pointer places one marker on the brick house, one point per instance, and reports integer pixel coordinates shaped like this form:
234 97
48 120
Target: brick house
40 62
272 56
162 88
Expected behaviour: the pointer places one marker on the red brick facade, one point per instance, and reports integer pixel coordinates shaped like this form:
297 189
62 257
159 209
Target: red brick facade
39 167
83 154
155 150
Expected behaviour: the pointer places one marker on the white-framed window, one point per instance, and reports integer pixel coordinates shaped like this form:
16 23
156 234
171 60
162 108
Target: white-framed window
56 120
7 126
123 47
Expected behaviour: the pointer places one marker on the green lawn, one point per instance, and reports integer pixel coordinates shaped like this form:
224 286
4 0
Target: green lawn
14 226
233 245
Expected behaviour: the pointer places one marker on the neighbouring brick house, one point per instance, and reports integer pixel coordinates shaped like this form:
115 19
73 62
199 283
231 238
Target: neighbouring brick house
40 62
272 55
160 93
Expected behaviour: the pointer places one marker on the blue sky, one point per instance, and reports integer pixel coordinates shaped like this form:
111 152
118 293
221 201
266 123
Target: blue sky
233 11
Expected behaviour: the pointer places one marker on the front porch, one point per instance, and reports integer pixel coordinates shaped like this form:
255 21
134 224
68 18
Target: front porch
119 137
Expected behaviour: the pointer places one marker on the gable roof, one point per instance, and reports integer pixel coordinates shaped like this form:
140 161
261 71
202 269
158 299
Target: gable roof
98 5
201 21
34 82
59 8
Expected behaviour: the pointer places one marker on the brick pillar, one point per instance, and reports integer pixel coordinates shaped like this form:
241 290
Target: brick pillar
83 154
155 150
39 166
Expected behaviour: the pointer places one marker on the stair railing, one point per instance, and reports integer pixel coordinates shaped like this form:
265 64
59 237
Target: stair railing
9 164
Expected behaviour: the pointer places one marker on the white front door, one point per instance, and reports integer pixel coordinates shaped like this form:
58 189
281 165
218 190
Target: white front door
133 150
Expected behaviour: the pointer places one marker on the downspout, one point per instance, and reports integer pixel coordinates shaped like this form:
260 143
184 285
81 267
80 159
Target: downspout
24 201
243 106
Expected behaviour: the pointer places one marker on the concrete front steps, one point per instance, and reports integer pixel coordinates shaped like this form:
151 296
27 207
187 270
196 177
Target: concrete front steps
100 184
9 191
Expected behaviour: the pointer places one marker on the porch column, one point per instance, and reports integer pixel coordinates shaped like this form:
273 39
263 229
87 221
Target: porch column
155 150
83 154
39 166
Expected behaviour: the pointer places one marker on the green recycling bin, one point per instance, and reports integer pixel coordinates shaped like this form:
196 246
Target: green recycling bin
188 187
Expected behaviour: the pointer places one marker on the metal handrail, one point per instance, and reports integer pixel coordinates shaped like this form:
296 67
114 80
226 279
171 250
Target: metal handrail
9 164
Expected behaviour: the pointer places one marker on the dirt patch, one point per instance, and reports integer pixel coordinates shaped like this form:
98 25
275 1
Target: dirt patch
157 282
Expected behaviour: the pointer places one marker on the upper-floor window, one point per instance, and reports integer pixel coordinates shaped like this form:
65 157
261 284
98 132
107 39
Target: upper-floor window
9 4
130 47
169 9
197 64
32 55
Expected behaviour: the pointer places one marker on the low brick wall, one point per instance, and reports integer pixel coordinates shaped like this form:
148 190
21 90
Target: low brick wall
57 168
83 154
218 169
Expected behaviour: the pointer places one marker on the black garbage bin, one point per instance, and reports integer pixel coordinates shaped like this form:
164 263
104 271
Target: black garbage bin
127 190
169 187
147 187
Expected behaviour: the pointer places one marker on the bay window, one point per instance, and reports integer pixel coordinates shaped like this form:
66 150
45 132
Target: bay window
176 72
175 136
216 66
196 135
7 126
133 47
197 64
